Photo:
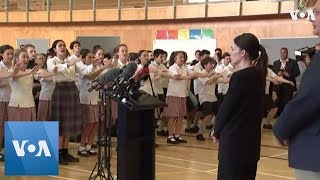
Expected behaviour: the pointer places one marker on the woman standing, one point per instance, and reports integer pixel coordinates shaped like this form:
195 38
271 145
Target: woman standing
65 99
238 123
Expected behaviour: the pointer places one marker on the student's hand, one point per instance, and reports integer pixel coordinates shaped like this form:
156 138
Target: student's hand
71 63
291 83
96 62
17 67
286 73
213 137
35 69
55 69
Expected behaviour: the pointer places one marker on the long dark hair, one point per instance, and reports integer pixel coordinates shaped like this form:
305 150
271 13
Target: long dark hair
256 53
54 45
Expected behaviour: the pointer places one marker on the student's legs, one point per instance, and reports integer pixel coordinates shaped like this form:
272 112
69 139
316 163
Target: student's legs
171 125
272 113
178 127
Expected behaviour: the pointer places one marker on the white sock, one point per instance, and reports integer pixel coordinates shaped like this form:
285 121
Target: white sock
213 120
81 148
88 147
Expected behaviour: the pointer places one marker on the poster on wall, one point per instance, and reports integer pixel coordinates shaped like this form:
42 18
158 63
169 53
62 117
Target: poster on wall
42 45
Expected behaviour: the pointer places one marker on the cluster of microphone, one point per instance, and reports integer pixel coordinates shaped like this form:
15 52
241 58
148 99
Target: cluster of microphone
122 84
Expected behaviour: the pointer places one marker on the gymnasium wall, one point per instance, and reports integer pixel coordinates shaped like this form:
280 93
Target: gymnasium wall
140 34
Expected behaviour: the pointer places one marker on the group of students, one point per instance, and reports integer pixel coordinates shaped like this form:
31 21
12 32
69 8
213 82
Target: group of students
242 78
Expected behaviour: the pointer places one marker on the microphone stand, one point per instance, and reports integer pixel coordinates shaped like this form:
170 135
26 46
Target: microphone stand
103 161
154 94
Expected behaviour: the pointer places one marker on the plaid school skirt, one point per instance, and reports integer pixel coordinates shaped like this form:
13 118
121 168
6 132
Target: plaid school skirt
66 108
177 107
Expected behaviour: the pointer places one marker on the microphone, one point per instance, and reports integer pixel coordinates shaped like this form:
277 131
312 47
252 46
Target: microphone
105 78
142 74
128 72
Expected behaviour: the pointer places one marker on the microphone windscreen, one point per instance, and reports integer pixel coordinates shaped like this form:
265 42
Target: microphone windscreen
109 76
129 70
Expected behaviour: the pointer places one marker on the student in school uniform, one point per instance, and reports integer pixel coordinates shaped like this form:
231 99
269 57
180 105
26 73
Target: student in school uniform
89 105
176 98
6 52
269 105
47 87
196 86
238 123
21 104
65 98
143 60
31 50
226 69
122 55
150 55
207 96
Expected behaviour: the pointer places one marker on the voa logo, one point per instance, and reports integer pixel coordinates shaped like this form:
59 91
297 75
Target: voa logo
20 148
307 15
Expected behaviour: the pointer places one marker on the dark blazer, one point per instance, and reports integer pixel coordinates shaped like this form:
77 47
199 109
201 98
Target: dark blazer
291 67
300 121
238 122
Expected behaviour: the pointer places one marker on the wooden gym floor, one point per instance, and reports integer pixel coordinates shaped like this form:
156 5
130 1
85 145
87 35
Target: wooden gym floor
192 161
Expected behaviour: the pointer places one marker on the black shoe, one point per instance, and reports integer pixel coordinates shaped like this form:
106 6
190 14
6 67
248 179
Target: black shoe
192 130
92 152
83 153
200 137
267 126
209 127
62 160
71 158
162 133
180 140
172 140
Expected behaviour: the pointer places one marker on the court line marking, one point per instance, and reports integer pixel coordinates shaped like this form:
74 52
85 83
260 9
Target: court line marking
172 158
60 177
276 155
274 175
81 170
168 173
181 167
212 170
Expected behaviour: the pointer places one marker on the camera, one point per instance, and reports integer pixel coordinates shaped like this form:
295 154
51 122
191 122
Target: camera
302 55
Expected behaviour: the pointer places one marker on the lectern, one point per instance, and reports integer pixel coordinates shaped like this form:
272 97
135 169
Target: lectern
136 138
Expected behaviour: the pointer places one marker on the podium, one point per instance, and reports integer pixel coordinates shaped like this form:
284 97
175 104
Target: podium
136 138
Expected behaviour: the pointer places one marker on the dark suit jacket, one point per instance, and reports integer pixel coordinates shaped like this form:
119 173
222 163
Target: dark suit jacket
238 122
300 121
291 67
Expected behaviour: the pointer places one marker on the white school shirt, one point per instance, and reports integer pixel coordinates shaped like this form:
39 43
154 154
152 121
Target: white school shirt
226 71
5 91
177 88
196 82
65 74
21 92
87 97
47 88
271 75
157 88
207 92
